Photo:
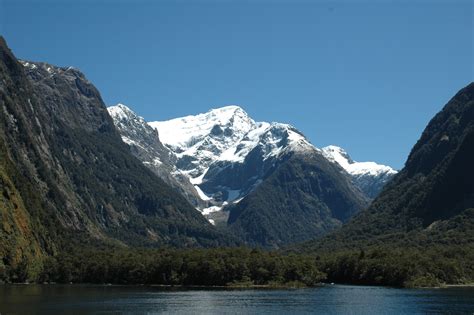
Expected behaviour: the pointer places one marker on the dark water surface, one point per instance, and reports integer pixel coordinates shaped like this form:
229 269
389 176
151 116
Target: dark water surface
339 299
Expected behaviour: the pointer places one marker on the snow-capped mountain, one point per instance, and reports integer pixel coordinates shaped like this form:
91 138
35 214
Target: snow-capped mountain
244 165
200 140
224 134
256 171
370 177
226 153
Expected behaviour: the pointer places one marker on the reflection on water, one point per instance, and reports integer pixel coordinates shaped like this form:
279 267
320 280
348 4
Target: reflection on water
82 299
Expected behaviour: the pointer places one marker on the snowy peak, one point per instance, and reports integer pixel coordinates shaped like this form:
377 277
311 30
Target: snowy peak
225 134
225 153
278 138
272 138
122 112
124 115
200 140
370 177
339 156
231 121
131 126
290 136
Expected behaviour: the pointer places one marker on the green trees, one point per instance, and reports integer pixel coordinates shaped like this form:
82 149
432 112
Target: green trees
246 267
192 267
398 266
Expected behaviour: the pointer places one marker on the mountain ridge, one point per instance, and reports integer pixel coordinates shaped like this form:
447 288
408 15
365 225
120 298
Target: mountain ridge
200 145
227 156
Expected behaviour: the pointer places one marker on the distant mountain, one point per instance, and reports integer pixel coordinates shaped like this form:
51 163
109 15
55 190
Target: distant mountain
217 150
431 200
200 140
67 176
227 156
370 177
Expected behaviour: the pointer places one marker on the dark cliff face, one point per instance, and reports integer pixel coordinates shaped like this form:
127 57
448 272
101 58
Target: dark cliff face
303 197
433 196
82 180
68 97
22 237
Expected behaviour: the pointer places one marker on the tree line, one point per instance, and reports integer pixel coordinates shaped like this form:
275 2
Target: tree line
246 267
191 267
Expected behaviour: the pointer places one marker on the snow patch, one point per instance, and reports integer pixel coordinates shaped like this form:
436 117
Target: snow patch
156 161
337 155
212 209
121 112
197 180
28 64
237 200
201 194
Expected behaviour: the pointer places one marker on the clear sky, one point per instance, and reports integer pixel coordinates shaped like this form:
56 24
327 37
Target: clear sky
364 75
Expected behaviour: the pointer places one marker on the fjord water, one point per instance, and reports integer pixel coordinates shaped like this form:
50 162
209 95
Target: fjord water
338 299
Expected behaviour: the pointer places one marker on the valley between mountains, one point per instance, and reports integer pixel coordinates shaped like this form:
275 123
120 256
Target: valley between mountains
98 194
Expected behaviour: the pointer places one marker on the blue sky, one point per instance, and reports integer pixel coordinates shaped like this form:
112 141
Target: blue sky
364 75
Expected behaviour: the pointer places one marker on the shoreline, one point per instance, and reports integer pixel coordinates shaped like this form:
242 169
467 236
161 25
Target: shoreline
238 286
177 286
467 285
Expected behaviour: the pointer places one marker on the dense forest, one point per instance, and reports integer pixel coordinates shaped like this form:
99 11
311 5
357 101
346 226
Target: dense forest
246 267
400 266
190 267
